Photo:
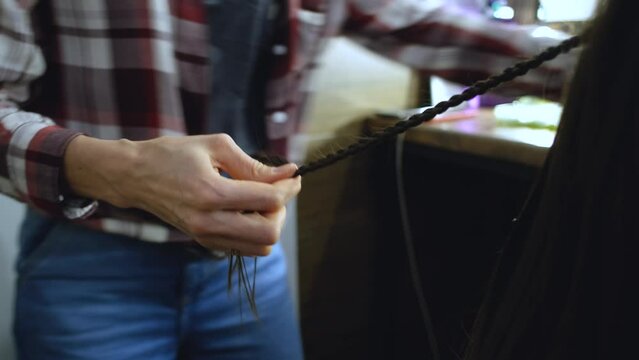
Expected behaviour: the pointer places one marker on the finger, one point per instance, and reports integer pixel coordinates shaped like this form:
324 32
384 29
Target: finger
279 217
226 245
239 165
244 195
254 228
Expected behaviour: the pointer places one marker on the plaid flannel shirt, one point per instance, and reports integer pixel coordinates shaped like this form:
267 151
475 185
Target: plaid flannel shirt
139 69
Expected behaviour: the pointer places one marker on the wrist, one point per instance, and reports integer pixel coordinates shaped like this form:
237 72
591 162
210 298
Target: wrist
94 168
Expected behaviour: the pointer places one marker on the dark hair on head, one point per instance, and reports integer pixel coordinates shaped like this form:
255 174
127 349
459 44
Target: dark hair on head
566 284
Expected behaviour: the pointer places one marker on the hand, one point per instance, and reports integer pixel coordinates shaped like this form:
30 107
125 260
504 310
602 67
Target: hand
178 179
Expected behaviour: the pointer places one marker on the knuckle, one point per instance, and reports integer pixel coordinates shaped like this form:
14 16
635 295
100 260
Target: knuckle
275 200
202 203
209 195
257 168
197 226
223 139
195 194
264 251
280 199
271 235
268 202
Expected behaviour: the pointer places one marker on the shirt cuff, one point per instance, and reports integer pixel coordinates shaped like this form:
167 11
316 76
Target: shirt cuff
35 161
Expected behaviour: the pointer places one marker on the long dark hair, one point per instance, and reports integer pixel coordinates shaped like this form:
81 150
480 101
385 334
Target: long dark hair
565 286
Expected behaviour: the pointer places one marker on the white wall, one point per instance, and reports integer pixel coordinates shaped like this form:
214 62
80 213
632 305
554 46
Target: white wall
11 213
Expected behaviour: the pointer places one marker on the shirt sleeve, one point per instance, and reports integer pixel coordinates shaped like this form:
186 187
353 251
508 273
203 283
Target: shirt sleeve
457 44
31 146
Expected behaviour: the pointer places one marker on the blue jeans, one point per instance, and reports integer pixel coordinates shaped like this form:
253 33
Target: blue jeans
84 294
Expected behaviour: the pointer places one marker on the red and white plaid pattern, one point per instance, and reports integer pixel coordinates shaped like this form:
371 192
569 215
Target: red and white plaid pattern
139 69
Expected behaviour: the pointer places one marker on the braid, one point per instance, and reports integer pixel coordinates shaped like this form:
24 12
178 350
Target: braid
477 88
236 262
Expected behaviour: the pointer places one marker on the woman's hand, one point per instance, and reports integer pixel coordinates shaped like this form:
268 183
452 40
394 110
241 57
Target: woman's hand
178 179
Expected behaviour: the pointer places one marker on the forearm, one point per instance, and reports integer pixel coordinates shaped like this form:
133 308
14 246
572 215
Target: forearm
456 44
440 25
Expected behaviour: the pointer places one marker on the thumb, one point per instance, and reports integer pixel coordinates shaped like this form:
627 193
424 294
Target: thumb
239 165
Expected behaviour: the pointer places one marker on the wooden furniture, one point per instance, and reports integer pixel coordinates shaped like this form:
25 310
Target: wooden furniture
465 180
475 133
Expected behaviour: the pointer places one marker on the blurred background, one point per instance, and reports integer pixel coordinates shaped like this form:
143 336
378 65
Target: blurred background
464 179
341 267
11 213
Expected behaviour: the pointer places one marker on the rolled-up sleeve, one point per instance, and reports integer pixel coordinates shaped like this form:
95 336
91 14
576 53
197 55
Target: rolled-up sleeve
32 146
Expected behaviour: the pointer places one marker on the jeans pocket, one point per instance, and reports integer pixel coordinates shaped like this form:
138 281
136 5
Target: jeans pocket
35 244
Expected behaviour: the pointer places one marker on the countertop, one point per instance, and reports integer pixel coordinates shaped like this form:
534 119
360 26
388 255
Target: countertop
476 133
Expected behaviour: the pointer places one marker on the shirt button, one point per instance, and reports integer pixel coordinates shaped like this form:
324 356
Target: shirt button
279 49
279 117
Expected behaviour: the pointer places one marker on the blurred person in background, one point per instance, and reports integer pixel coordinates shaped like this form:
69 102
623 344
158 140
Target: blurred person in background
565 287
111 122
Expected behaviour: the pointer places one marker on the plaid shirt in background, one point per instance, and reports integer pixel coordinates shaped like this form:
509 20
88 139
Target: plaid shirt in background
139 70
